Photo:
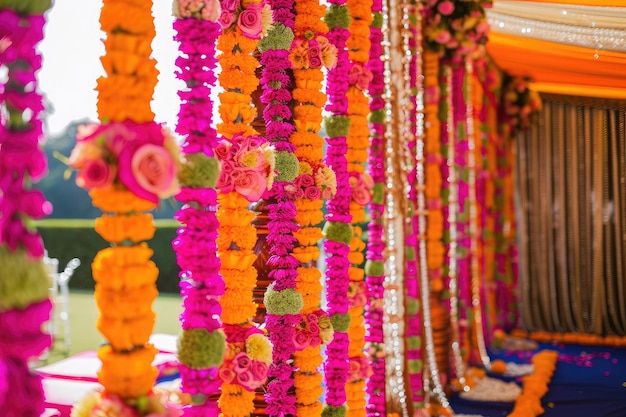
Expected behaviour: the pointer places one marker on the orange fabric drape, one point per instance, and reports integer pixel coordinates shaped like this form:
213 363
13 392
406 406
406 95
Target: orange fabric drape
560 68
598 3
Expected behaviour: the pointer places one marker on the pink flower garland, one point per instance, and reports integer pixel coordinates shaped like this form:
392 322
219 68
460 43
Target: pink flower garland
338 229
280 397
375 278
412 286
201 283
21 161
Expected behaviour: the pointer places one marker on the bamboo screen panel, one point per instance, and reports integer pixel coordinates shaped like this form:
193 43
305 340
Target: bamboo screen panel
571 196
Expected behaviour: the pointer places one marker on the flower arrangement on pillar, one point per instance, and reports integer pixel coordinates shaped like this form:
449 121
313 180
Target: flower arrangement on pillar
24 283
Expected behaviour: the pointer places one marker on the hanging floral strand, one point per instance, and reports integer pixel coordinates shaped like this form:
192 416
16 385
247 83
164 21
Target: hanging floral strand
361 185
127 164
413 79
24 283
282 302
201 344
310 53
337 230
374 266
247 172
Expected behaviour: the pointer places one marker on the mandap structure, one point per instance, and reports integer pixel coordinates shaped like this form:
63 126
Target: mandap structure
374 193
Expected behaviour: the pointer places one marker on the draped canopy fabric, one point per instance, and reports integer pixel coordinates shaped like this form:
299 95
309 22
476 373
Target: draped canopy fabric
527 39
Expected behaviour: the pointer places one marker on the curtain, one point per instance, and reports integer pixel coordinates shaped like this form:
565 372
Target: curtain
572 217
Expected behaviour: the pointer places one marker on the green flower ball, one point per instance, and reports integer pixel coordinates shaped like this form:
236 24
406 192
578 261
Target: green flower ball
199 171
332 411
284 302
374 268
340 322
286 166
338 232
197 348
23 280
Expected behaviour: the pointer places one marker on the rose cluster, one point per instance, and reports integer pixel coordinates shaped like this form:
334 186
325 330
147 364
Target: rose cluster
197 9
521 104
247 166
359 369
314 329
455 28
253 18
313 182
313 52
362 186
360 76
357 294
142 157
246 363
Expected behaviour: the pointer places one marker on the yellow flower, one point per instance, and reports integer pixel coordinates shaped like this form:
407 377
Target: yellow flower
259 348
305 168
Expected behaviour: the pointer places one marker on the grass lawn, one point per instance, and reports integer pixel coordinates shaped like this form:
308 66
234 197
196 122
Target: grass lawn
84 313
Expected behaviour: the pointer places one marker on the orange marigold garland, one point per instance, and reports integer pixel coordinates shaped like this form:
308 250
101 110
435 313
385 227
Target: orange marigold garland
315 182
128 163
361 183
247 170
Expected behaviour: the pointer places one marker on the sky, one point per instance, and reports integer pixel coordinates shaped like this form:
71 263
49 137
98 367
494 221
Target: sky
71 50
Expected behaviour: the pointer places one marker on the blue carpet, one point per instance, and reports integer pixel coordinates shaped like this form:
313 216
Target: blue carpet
590 381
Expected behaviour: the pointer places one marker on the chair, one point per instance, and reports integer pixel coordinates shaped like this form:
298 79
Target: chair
62 301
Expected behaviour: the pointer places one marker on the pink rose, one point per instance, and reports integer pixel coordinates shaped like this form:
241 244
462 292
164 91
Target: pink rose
259 370
241 362
211 10
314 62
250 21
250 183
446 8
316 341
301 340
222 150
314 328
306 180
314 49
94 174
230 5
361 196
443 37
312 318
226 20
298 194
246 380
312 193
226 374
153 171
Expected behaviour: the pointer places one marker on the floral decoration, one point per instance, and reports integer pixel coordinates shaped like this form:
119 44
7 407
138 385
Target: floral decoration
309 102
361 185
521 104
209 10
24 281
244 24
313 51
127 163
142 158
455 29
314 330
252 18
374 266
338 229
155 404
247 166
247 360
201 284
